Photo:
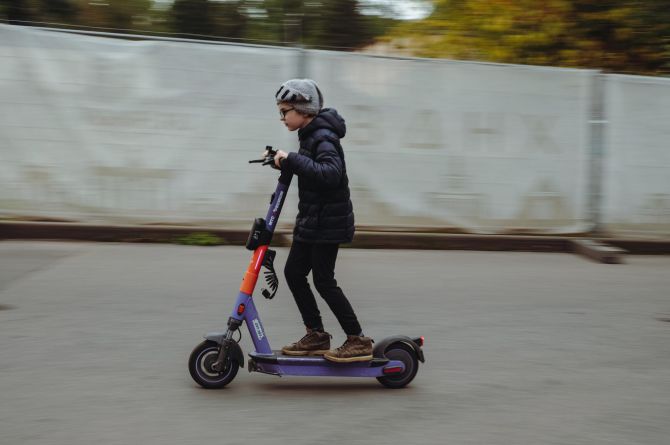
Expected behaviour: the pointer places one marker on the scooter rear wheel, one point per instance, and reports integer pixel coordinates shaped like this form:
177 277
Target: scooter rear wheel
405 354
200 366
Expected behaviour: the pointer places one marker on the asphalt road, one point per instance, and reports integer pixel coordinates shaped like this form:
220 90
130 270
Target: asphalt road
521 348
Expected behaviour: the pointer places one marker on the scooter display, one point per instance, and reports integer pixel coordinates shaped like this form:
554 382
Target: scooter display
214 363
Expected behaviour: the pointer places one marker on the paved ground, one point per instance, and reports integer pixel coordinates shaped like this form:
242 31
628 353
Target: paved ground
521 348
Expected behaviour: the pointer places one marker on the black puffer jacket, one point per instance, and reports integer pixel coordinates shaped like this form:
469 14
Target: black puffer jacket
325 212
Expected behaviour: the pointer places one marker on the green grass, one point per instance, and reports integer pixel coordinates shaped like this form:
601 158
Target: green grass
200 239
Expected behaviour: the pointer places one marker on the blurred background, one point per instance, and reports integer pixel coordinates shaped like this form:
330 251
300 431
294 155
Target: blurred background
463 116
624 36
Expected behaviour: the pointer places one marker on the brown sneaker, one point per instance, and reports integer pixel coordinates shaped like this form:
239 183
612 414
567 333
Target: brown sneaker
314 343
355 349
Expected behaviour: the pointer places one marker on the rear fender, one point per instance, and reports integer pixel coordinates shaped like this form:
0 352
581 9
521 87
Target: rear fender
380 347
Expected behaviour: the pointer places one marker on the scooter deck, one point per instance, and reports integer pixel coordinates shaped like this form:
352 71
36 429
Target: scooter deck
278 358
280 364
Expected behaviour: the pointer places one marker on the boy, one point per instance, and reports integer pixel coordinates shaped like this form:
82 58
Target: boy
325 220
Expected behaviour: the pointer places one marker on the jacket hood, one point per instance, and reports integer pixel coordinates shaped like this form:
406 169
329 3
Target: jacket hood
327 118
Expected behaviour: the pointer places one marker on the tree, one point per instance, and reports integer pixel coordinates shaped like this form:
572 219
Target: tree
207 18
613 35
192 17
229 20
320 23
60 10
17 11
110 14
22 11
341 24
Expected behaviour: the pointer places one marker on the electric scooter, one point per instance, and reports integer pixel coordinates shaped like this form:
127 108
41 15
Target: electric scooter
214 362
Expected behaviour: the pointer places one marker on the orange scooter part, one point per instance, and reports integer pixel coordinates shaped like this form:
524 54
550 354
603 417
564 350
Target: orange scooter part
251 275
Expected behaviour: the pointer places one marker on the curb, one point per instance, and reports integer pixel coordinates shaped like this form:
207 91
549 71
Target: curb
443 241
364 239
119 233
598 251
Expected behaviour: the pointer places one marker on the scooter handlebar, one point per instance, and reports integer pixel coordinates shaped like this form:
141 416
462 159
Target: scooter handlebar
269 158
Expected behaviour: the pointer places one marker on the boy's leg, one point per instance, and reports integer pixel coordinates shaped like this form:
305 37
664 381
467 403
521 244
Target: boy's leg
323 273
298 265
357 348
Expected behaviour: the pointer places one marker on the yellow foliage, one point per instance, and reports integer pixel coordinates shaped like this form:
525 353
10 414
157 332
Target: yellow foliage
617 35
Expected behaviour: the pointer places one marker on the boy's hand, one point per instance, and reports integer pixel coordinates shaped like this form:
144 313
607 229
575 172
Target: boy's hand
279 156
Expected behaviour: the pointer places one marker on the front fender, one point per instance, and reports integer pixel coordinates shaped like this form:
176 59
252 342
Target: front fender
380 348
220 338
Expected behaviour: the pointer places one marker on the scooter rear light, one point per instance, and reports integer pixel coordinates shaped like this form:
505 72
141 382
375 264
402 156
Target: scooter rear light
392 370
419 341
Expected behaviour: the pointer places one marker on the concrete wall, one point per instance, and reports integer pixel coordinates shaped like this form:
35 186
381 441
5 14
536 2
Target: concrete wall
106 130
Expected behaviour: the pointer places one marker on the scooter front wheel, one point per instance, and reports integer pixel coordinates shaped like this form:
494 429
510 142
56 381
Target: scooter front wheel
200 366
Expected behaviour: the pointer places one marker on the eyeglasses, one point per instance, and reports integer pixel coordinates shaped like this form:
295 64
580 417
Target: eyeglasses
282 112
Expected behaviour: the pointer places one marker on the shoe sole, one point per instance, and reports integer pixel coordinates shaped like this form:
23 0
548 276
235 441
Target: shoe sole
360 358
304 353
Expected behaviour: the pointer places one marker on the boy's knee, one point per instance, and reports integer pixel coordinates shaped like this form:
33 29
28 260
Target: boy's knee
324 284
293 274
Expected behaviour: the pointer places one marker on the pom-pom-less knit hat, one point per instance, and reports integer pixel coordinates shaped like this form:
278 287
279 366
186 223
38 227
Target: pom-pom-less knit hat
303 95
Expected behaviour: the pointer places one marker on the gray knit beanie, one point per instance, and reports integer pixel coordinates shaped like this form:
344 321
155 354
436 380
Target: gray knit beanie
303 95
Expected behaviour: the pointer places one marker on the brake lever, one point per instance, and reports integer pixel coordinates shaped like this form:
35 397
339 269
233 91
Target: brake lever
268 159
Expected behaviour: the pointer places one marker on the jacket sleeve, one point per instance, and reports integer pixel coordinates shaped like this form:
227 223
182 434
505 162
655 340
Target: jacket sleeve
325 169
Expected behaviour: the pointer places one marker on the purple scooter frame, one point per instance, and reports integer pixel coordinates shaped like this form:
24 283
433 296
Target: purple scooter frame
395 359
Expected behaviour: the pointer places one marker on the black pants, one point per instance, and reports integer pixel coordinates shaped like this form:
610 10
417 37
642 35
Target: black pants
320 259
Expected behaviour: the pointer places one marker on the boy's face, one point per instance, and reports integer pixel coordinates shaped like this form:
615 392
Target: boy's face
291 118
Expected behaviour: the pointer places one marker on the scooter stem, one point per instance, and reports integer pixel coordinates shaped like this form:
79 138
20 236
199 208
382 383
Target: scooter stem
278 197
261 239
